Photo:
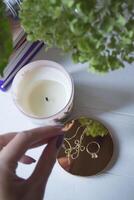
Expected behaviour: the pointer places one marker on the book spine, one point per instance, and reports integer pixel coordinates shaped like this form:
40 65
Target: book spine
26 58
13 7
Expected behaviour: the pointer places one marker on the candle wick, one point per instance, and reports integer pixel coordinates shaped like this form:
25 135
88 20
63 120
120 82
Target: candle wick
46 98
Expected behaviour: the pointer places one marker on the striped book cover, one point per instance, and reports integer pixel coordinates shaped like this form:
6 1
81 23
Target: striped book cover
13 7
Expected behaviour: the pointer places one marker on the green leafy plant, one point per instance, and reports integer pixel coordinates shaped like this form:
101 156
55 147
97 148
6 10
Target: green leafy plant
99 32
6 45
93 127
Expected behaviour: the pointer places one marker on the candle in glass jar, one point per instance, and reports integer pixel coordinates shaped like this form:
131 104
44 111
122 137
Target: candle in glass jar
43 91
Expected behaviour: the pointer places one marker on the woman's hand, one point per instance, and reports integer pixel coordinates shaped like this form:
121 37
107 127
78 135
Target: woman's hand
13 147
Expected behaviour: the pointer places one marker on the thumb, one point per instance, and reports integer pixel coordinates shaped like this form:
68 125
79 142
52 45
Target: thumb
46 162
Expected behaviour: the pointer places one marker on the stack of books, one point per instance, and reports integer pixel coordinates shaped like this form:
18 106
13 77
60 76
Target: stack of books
23 52
13 7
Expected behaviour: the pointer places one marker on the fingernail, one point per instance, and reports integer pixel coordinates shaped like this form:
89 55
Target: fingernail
60 140
59 127
33 161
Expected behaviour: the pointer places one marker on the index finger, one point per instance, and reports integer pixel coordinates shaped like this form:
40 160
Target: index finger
22 141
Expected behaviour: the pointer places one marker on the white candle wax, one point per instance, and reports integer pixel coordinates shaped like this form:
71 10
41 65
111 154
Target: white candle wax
46 98
43 91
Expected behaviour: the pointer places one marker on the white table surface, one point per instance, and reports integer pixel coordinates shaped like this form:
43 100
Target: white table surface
109 98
